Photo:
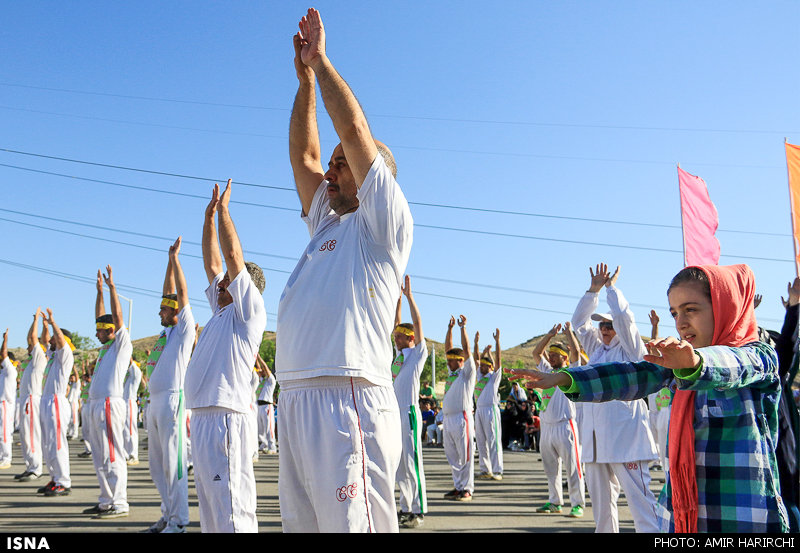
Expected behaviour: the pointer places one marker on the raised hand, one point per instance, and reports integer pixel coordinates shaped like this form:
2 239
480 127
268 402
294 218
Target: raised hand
452 322
108 277
598 277
312 37
757 300
99 283
672 353
555 330
406 288
225 198
793 288
654 320
462 320
610 281
212 205
175 248
304 72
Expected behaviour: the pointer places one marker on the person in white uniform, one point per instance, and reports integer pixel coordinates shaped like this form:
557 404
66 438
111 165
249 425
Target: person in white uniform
559 442
335 315
412 351
267 442
458 422
29 402
130 430
615 435
74 400
218 389
55 411
8 400
106 408
488 435
165 371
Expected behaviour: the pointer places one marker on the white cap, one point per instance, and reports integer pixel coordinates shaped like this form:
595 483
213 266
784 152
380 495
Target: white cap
603 317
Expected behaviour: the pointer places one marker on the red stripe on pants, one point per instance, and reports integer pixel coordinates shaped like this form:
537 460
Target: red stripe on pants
109 430
363 456
575 443
58 424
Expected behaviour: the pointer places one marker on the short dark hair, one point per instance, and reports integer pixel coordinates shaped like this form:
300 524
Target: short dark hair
256 275
66 333
105 319
12 356
456 351
173 297
691 274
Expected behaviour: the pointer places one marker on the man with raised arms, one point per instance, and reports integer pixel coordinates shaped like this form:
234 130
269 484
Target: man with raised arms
29 402
218 389
8 400
341 298
106 406
165 370
55 411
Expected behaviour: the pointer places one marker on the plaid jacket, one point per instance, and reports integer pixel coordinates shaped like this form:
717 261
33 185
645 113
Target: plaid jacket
735 424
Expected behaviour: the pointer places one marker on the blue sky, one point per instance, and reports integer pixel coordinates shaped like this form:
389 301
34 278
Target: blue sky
571 115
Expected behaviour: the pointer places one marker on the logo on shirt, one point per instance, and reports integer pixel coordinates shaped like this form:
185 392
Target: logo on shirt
217 478
632 466
328 246
345 492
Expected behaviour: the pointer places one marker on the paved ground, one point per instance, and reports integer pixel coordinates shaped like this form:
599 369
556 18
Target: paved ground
504 506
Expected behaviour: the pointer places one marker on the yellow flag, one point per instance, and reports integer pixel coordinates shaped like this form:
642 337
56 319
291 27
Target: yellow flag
793 167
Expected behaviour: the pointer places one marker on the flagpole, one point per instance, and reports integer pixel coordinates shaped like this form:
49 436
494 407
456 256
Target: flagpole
683 236
791 207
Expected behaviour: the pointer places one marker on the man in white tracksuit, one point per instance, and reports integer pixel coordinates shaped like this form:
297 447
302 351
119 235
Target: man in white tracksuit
266 409
487 414
459 425
106 406
616 438
333 352
130 430
559 441
29 403
165 371
412 351
8 400
55 411
218 379
74 400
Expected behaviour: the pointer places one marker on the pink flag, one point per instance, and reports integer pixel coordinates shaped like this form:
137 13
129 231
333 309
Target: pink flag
700 221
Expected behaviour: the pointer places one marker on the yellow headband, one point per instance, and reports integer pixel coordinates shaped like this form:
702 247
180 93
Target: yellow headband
169 303
403 330
101 326
454 357
487 362
557 349
69 342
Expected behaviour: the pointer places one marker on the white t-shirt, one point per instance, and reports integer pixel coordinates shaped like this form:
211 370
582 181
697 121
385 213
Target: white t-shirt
458 398
268 389
220 368
31 382
559 408
406 385
57 381
170 370
130 386
8 382
336 313
74 393
489 396
109 373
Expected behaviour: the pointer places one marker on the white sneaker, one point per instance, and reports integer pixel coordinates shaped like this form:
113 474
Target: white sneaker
174 529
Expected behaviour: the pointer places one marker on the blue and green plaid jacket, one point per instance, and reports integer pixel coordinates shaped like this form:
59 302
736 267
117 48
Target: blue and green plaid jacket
735 425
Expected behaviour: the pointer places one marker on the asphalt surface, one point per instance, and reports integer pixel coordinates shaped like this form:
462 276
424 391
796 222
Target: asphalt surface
498 506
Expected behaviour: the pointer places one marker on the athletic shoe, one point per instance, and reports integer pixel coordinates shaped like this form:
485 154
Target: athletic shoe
18 476
6 465
157 527
451 494
497 476
464 495
48 486
174 529
28 476
576 512
549 508
92 510
132 462
84 454
111 512
190 470
401 517
486 476
413 520
57 490
272 452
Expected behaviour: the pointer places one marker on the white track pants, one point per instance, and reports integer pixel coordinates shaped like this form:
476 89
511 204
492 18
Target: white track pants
458 447
489 439
223 470
54 416
6 430
30 433
107 416
166 439
340 449
559 446
266 427
411 473
634 479
130 431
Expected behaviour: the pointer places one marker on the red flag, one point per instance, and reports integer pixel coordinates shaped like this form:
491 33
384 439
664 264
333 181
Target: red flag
699 220
793 167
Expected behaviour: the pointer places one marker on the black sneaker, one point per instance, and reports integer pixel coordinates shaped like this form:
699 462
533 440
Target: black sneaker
451 494
84 454
92 510
413 520
57 490
46 487
18 476
28 477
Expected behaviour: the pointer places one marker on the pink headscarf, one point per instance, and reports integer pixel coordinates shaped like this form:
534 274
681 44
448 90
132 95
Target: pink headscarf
732 293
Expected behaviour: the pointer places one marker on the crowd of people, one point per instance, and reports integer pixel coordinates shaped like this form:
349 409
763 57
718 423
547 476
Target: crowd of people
713 406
